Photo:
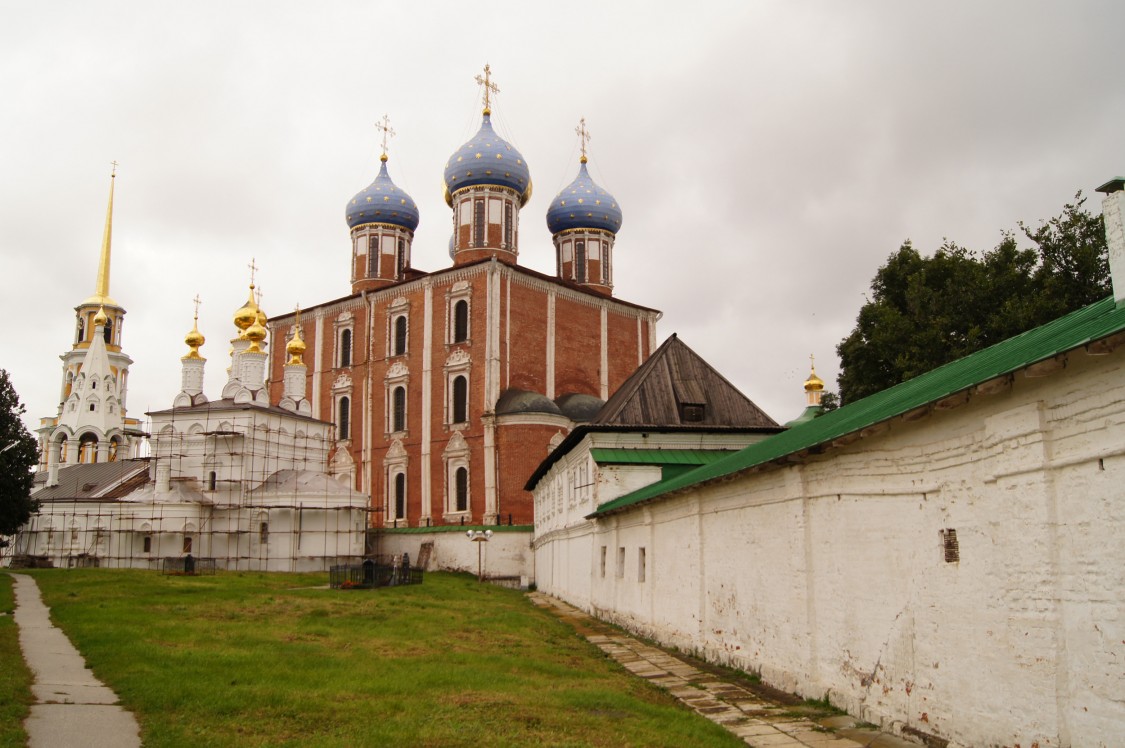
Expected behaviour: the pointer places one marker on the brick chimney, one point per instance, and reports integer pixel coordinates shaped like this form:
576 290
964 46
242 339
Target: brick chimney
1113 213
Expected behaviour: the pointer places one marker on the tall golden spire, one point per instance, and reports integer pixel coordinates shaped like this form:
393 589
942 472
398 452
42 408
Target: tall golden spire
101 290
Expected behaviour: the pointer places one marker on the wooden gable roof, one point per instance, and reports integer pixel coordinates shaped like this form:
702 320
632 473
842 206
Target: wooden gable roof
676 387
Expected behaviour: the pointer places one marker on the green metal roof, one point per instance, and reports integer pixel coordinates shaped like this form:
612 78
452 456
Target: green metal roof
1095 322
624 456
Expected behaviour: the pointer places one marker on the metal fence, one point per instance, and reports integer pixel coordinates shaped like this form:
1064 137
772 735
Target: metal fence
187 566
370 574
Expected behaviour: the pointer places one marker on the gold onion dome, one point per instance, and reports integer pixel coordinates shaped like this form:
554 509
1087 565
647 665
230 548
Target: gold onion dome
101 318
247 314
194 340
255 333
814 383
296 348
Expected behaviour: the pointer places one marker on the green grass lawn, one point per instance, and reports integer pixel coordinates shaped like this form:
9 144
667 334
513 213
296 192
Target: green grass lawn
15 680
266 659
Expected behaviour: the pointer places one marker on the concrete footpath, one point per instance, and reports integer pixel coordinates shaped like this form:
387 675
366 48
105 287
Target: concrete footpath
73 707
760 716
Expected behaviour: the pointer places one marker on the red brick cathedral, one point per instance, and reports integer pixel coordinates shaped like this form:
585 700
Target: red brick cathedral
447 388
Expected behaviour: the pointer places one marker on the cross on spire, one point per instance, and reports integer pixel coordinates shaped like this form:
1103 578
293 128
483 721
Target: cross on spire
258 296
488 86
113 172
197 303
253 269
583 137
812 362
298 321
385 125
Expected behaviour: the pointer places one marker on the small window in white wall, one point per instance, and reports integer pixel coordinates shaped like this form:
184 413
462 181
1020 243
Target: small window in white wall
620 562
603 561
640 564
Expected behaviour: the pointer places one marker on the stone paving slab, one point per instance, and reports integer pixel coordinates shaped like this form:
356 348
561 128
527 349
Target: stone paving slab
75 708
758 721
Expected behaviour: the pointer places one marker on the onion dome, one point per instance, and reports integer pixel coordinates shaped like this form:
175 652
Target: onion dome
100 319
487 159
583 205
295 348
194 340
255 333
382 202
814 383
247 314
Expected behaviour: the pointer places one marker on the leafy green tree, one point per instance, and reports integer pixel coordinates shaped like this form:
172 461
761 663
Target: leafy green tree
18 457
925 312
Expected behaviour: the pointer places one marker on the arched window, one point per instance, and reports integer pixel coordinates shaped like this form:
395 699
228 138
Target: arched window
400 496
461 489
478 223
212 479
373 256
460 400
343 419
345 348
580 262
108 331
461 321
81 330
398 421
508 225
400 336
400 266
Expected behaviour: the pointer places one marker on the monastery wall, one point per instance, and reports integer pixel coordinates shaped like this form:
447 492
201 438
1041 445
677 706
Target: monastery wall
958 576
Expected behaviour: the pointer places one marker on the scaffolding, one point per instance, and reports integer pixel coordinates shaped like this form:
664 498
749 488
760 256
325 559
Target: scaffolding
245 486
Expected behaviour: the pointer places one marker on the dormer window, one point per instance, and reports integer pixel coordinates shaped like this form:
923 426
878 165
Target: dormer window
692 412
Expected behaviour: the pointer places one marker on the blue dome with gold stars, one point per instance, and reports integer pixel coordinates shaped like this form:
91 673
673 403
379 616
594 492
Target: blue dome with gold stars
383 202
583 205
487 159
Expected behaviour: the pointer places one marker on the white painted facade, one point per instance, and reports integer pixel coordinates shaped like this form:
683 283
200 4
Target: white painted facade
829 576
506 554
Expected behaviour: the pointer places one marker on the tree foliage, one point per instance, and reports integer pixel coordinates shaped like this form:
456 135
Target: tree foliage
928 311
18 457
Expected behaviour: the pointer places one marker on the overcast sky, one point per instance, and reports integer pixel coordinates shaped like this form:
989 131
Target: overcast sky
768 156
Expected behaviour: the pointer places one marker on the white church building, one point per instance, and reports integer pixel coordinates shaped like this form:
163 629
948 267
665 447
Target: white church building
239 481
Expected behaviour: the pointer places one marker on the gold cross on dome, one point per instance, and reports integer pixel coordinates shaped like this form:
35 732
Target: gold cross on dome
258 296
489 87
583 136
812 362
298 322
253 269
197 303
113 172
385 125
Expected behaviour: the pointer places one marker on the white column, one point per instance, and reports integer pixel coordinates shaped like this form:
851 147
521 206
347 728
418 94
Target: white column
53 452
604 373
551 296
427 397
1113 213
